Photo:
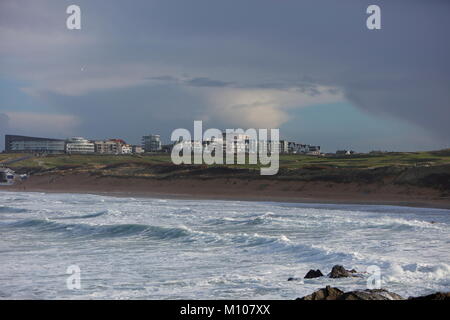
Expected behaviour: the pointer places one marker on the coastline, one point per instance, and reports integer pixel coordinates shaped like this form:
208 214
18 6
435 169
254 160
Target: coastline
323 289
235 189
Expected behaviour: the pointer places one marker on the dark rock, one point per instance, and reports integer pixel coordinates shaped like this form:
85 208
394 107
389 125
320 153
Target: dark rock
330 293
313 274
327 293
374 294
434 296
339 271
293 279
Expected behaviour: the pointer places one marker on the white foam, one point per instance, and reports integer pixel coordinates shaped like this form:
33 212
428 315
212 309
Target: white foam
151 248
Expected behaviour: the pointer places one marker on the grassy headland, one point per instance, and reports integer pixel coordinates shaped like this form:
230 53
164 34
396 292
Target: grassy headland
294 161
386 177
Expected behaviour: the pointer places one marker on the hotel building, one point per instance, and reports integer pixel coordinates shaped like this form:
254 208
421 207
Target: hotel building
112 146
151 143
26 144
79 145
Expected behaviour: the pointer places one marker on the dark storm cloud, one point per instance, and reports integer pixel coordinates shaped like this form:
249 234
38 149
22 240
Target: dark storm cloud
306 86
147 54
150 109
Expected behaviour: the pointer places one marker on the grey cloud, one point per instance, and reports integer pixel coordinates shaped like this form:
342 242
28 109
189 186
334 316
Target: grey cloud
194 82
401 71
311 89
4 127
164 78
4 120
308 87
130 113
207 82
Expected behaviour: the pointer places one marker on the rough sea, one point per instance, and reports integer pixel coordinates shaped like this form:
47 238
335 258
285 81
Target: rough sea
142 248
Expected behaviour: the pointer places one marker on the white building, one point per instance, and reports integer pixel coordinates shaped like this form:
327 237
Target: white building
79 145
232 143
126 149
238 143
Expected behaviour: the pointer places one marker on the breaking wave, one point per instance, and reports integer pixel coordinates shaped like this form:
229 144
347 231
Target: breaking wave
205 248
87 216
4 209
118 230
265 218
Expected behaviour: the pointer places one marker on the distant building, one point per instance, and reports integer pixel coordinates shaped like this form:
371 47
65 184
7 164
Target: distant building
167 148
231 143
294 147
112 146
126 149
236 143
76 145
313 150
106 147
284 146
151 143
26 144
79 145
345 152
137 149
192 145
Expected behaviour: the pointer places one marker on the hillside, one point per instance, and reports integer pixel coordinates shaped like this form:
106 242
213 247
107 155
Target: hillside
386 177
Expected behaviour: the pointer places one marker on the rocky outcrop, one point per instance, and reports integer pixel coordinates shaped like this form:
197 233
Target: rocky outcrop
373 294
293 279
330 293
339 271
327 293
313 274
434 296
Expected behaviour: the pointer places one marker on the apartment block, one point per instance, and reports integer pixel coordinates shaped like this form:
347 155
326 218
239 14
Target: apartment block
151 143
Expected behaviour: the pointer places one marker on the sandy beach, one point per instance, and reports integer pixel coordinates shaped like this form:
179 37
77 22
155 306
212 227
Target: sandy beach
237 189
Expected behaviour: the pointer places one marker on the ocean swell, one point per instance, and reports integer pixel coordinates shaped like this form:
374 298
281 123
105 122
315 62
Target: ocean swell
87 230
5 209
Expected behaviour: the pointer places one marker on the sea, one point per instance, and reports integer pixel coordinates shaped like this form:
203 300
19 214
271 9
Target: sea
83 246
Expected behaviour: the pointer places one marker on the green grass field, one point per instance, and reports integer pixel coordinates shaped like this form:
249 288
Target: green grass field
286 161
10 156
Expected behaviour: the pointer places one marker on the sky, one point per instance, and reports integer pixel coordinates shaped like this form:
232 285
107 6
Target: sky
310 68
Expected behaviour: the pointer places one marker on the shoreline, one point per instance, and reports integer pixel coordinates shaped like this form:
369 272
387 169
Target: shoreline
173 196
230 189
